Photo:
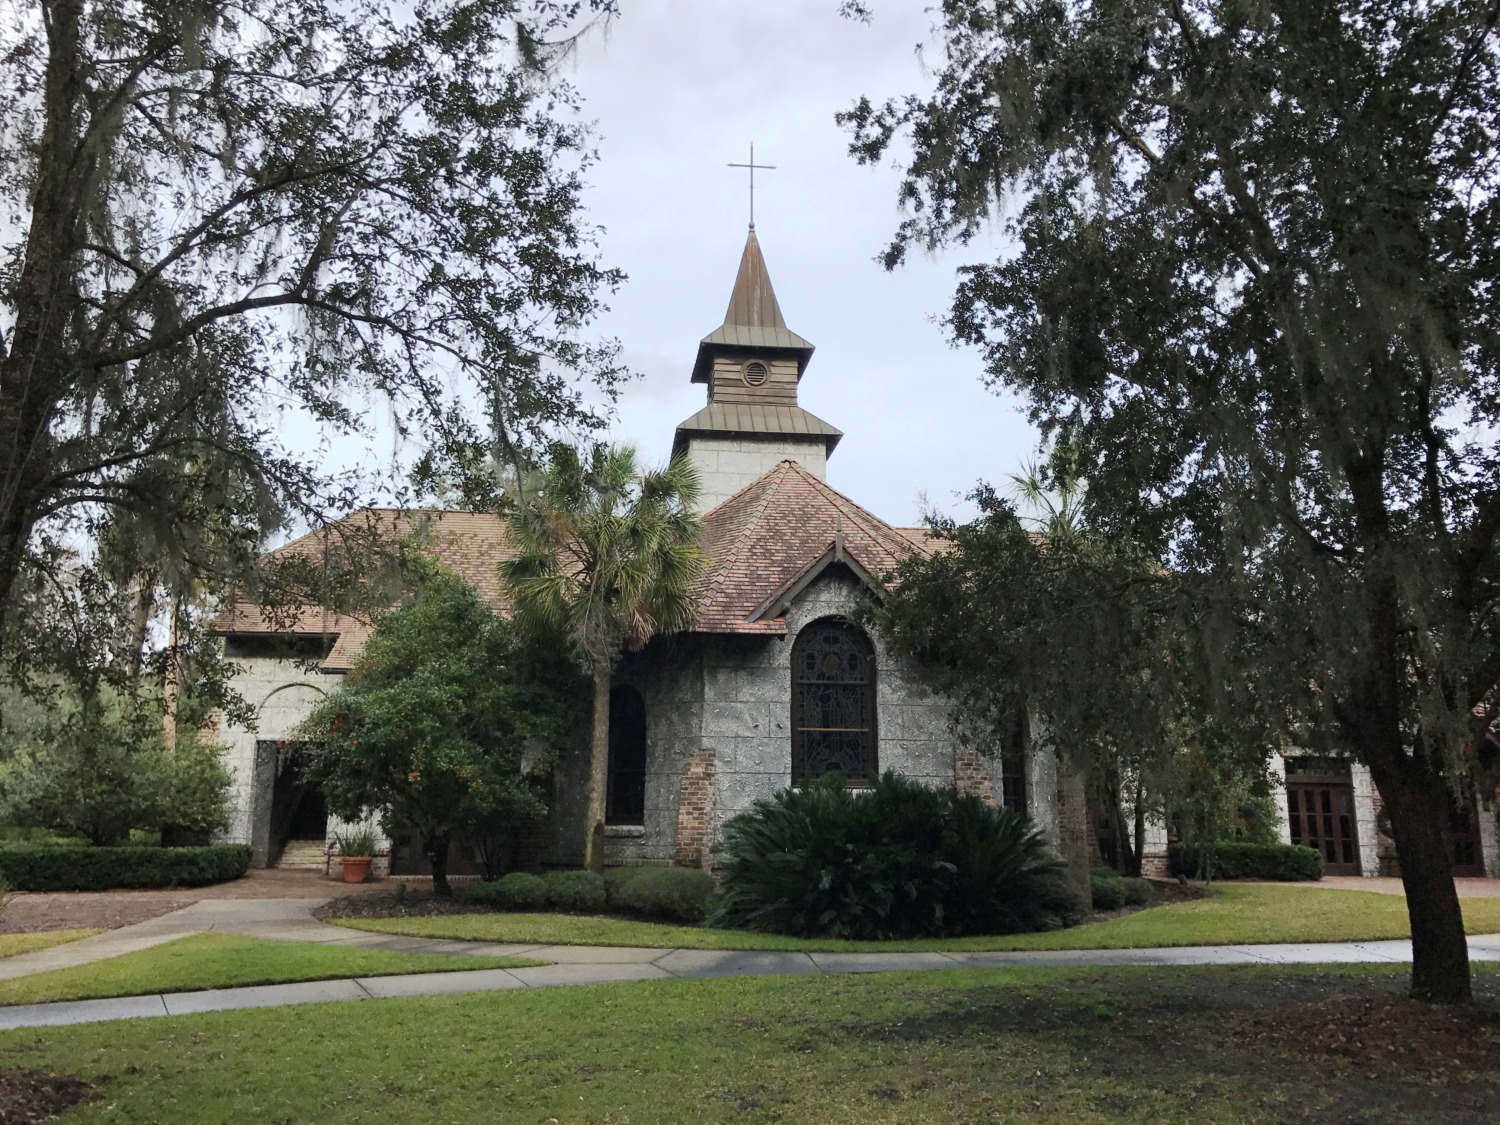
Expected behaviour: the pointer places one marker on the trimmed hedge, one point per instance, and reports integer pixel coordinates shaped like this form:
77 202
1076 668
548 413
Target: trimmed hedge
55 868
575 890
1111 890
678 893
1107 890
516 891
1285 862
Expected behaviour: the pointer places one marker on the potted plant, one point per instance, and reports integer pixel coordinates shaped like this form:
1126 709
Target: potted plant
356 850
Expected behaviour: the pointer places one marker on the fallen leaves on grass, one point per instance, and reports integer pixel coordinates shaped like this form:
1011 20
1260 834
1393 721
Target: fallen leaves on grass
1392 1032
28 1096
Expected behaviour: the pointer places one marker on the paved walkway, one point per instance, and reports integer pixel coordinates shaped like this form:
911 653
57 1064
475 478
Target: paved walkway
292 920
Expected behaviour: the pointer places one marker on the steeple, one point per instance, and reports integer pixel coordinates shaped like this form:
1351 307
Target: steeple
753 364
753 319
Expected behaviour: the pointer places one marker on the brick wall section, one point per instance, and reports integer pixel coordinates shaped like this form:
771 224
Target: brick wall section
971 777
695 810
1154 866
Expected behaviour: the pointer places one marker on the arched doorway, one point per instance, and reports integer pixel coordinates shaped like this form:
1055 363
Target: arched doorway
625 799
294 813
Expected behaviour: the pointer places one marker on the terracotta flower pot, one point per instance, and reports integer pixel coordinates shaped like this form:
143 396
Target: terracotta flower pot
356 868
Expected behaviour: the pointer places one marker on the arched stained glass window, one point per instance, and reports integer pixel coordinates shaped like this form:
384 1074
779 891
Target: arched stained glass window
833 703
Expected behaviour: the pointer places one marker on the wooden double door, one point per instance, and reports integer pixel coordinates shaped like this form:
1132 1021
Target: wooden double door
1320 812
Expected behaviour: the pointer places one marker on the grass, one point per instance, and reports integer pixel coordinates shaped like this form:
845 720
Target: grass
1236 915
225 961
13 944
1043 1046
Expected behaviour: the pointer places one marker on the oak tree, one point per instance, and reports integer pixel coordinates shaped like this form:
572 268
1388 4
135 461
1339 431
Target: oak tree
1248 271
235 232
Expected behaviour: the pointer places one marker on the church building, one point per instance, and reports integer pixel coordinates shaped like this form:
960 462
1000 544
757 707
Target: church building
773 685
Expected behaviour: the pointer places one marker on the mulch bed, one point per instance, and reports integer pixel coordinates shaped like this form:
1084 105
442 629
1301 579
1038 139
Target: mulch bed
28 1096
403 902
399 903
1383 1031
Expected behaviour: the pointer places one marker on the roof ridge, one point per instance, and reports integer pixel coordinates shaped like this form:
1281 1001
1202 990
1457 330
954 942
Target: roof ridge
378 509
736 495
840 499
755 517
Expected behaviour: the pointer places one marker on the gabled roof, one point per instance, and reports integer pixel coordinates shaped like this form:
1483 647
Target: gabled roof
753 319
471 544
766 544
752 419
769 541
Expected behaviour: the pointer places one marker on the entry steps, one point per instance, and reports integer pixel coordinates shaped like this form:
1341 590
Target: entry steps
304 855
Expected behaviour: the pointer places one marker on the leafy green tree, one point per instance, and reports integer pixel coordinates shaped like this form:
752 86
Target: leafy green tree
1249 274
96 766
607 556
221 216
445 723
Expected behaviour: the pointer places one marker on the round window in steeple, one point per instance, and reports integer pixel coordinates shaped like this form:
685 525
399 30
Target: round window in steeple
755 373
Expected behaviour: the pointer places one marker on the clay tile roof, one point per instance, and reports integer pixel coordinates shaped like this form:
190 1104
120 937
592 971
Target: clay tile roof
781 528
760 542
471 544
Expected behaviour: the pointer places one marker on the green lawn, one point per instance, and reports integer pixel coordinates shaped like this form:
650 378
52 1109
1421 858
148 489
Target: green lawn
12 944
225 961
1255 913
1043 1046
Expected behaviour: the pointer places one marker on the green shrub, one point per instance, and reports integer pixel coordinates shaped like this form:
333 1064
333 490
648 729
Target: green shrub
516 891
356 843
1107 890
1285 862
98 769
895 860
615 879
100 869
575 890
679 893
1138 892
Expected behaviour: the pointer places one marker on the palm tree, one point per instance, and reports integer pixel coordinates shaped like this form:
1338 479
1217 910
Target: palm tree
609 556
1053 491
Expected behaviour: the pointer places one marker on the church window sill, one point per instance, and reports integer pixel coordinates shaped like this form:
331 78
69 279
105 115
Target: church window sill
625 831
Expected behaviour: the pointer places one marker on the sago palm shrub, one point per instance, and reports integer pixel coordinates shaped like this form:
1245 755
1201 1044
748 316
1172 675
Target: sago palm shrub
895 860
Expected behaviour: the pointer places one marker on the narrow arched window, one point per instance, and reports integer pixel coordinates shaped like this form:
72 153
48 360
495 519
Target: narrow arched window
625 800
833 703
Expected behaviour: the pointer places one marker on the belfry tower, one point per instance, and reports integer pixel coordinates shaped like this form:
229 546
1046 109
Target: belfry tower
752 364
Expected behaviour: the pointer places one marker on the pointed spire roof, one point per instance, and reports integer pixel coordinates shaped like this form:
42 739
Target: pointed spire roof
753 319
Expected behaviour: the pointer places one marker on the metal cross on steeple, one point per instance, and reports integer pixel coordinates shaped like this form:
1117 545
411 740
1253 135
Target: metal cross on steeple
752 166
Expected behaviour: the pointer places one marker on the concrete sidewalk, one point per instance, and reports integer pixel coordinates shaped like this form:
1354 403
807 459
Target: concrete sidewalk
574 964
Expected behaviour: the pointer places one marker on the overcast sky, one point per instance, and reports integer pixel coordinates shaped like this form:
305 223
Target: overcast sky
681 88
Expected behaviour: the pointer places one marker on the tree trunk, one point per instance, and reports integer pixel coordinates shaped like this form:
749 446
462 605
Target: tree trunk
1417 801
169 687
436 847
1138 844
1073 825
36 371
1118 827
593 847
